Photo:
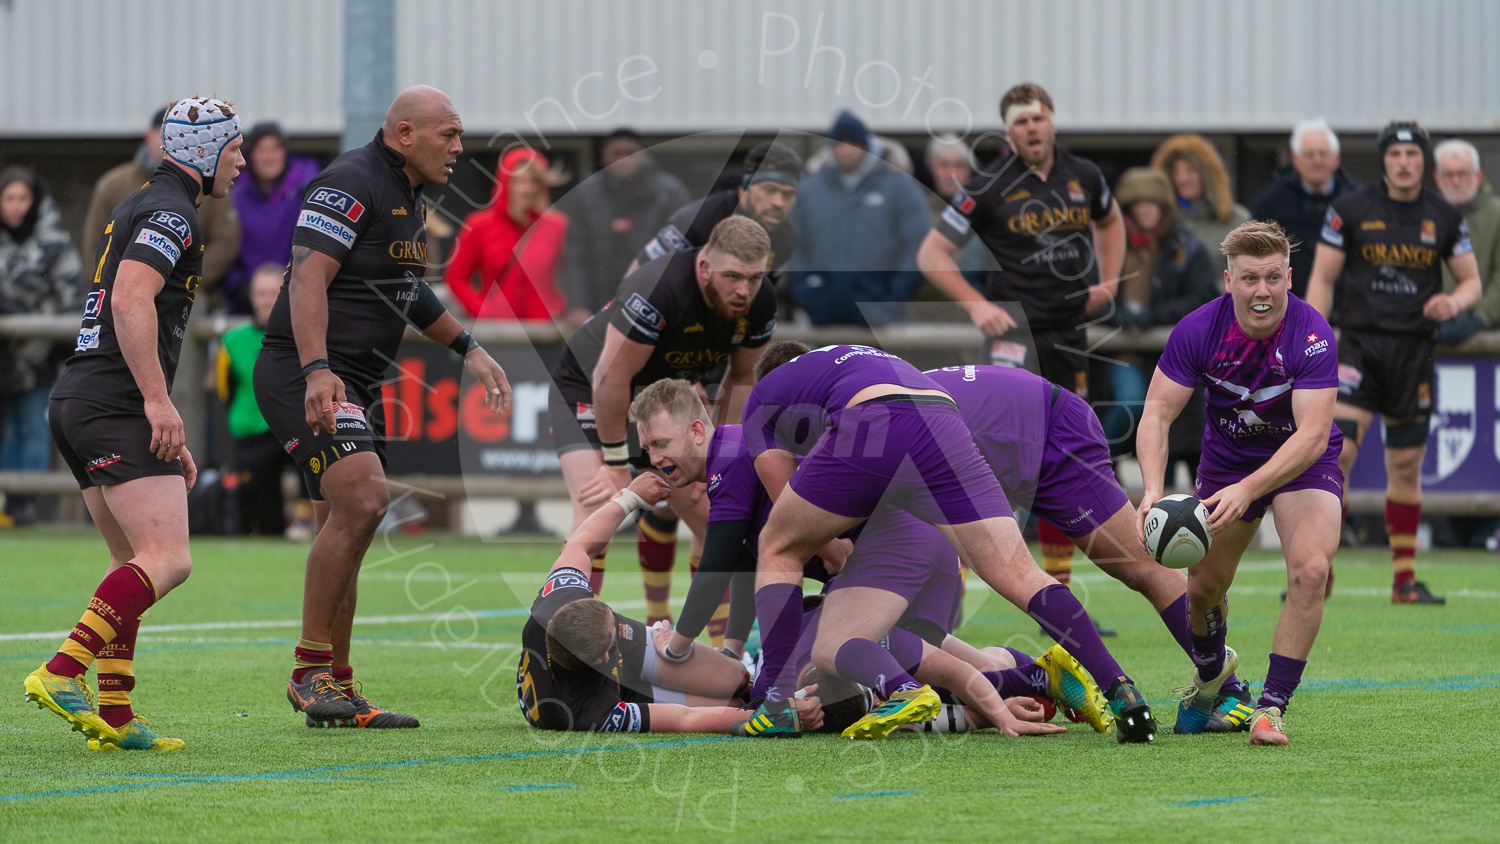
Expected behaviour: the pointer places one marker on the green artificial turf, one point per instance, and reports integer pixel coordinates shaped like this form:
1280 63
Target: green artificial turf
1391 732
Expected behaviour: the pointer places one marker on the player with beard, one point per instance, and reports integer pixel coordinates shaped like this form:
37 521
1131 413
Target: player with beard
683 315
1058 240
1390 241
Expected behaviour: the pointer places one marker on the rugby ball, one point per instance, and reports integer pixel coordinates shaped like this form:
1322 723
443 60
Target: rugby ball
1177 531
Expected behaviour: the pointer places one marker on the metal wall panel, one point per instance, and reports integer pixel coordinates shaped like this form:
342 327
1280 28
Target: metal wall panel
93 67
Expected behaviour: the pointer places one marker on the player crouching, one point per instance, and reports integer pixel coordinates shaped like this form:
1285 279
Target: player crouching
588 668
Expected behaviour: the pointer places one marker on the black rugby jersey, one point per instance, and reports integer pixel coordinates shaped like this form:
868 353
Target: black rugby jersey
1038 231
690 226
660 305
608 698
1393 256
363 212
157 226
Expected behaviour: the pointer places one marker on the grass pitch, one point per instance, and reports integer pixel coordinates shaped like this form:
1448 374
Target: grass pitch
1391 731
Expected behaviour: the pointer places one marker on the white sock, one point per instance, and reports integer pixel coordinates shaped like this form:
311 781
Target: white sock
951 718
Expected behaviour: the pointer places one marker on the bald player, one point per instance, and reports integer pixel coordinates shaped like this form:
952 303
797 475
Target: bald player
354 284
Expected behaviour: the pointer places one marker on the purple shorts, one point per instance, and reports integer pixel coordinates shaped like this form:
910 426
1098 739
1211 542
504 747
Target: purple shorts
900 554
1324 474
1077 489
917 456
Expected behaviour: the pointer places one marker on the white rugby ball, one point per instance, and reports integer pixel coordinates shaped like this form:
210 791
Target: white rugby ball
1177 531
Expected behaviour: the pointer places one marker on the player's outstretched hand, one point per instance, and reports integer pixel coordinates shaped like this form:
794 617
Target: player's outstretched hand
167 437
189 469
1026 709
989 318
651 488
487 372
323 389
1226 506
603 485
810 708
1015 726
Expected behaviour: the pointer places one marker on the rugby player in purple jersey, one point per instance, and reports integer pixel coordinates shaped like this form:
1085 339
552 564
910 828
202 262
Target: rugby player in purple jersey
1268 369
871 430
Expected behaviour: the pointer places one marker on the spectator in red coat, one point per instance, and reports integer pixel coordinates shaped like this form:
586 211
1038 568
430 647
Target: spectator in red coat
515 245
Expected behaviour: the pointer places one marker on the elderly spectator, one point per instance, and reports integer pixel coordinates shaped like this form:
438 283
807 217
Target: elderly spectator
950 164
1167 275
1299 193
267 198
39 271
611 216
515 245
860 222
1204 199
259 458
1463 184
221 223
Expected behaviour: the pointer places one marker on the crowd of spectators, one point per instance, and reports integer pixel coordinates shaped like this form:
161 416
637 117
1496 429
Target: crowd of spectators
857 218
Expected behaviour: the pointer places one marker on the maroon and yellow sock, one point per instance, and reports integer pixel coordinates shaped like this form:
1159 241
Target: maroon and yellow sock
720 621
117 676
344 677
125 593
596 573
1057 551
311 657
1401 520
658 553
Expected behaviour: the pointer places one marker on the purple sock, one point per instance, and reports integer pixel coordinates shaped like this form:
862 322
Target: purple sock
1175 617
1066 621
1019 682
867 663
1281 681
1022 658
779 608
1208 649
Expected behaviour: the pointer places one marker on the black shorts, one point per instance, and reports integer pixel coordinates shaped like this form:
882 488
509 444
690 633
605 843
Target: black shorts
104 446
1388 374
281 392
570 412
1056 355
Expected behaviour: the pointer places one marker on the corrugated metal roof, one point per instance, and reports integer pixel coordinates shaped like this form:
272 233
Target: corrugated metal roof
95 67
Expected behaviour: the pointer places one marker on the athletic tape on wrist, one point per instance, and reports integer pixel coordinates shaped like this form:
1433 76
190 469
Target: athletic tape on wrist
615 453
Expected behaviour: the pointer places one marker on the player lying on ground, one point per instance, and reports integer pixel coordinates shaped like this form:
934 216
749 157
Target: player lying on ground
113 421
874 431
684 315
1050 456
1266 363
588 668
899 563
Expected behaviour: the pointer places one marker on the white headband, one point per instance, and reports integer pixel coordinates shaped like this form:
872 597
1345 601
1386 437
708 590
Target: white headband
196 131
1018 109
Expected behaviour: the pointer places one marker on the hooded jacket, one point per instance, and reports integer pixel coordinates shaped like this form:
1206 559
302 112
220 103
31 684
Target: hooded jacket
1287 201
1213 216
858 237
521 259
1167 274
39 274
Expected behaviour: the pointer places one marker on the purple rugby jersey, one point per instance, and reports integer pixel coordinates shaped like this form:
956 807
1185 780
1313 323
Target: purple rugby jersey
1248 383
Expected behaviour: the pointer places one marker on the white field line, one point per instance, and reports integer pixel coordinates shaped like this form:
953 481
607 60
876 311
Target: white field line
295 623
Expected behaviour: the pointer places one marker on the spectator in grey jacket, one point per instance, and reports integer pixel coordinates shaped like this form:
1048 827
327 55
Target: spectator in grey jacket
39 271
859 224
611 215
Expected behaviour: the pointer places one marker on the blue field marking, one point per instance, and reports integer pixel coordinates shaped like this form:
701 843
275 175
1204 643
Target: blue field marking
1212 801
299 773
872 794
539 786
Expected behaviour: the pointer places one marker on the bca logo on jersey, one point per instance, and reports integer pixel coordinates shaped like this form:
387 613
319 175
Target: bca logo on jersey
94 306
563 580
175 224
638 306
339 201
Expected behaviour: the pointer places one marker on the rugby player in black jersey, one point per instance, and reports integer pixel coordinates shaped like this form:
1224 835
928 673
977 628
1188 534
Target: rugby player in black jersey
354 284
1058 241
683 315
766 194
113 420
1390 241
585 667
